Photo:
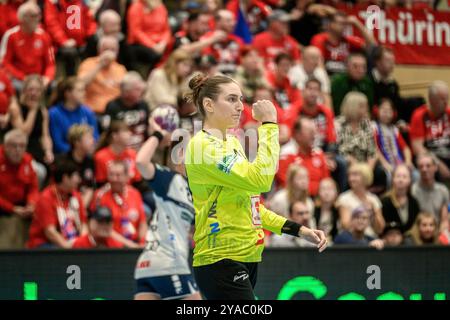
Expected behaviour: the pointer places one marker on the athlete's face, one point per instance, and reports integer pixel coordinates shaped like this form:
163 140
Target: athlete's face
226 110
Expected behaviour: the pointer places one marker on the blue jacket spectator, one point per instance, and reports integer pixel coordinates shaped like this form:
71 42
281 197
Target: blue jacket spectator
68 111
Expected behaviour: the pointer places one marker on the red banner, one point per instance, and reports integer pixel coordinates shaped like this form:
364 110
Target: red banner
416 36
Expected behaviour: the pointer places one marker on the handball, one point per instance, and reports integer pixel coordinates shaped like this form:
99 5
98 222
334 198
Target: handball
166 116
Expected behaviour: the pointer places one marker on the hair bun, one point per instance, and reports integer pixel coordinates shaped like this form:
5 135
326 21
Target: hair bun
197 81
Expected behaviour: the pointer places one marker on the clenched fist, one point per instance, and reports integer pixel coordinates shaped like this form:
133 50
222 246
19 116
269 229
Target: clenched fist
264 111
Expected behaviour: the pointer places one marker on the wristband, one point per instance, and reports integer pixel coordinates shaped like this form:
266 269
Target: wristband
270 122
158 135
292 228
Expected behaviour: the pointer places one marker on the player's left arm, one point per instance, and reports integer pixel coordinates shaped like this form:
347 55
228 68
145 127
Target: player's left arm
278 224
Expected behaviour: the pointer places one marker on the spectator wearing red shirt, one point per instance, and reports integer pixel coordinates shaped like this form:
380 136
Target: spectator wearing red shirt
226 52
255 12
277 40
27 49
312 159
18 190
126 205
287 96
336 47
60 215
8 15
7 96
430 127
69 33
113 146
325 139
148 31
100 229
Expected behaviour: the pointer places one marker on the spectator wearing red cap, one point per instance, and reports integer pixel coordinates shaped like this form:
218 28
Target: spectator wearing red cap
100 229
336 47
27 49
277 40
255 12
126 205
18 190
226 52
60 215
148 31
8 15
69 33
430 128
312 158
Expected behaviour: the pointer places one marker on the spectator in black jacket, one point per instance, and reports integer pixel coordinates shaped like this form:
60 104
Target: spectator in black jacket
398 204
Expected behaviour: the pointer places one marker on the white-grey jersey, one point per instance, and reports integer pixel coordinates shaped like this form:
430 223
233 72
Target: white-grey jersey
167 240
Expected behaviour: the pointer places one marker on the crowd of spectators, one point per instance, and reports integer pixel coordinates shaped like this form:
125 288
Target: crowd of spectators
78 88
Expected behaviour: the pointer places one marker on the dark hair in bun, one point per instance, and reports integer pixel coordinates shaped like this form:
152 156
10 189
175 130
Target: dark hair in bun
203 87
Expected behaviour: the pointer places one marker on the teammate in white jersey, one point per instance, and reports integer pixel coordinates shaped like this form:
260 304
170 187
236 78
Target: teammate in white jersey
162 270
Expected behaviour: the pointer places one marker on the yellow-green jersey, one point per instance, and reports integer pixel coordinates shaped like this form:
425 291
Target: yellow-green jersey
226 187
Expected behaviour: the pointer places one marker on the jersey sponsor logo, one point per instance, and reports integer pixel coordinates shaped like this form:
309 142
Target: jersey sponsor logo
143 264
227 163
256 218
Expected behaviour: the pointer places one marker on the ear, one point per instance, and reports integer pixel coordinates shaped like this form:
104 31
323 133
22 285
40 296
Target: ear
208 105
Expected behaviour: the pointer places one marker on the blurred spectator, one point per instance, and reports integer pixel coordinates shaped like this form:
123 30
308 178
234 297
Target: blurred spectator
254 11
190 38
130 108
433 197
306 19
82 147
326 214
360 177
399 205
424 231
167 84
297 185
19 190
355 79
325 138
300 213
102 75
287 96
8 15
119 6
383 82
113 146
69 35
392 235
277 40
109 25
251 73
7 96
309 68
60 215
68 110
32 118
100 229
27 49
312 158
227 51
430 128
355 136
126 205
359 222
336 47
148 31
392 149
